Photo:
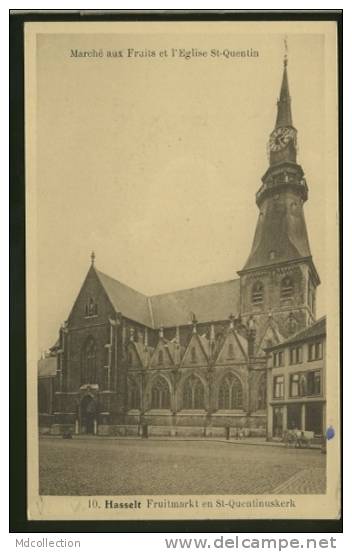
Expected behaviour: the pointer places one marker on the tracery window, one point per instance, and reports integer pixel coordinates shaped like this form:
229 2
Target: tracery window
230 393
160 394
89 372
193 393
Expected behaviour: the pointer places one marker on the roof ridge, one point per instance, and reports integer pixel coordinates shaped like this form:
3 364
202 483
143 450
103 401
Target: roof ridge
166 292
119 282
194 287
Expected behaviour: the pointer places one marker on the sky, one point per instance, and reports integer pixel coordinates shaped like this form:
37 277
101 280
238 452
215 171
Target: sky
154 163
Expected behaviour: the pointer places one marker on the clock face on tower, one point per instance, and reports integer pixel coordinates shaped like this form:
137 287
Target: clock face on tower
280 137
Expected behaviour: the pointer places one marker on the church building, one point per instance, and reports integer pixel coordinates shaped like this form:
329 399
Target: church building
190 362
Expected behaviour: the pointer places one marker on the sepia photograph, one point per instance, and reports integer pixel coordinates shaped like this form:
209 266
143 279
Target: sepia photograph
182 270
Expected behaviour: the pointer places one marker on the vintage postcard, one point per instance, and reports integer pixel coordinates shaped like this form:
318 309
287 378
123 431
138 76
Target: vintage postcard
182 270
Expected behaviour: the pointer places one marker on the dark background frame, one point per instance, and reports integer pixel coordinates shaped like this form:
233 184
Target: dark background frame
18 428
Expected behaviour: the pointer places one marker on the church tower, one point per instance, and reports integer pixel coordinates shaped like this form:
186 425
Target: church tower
279 279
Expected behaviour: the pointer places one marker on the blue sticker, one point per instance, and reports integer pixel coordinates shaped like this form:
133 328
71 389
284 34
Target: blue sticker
330 433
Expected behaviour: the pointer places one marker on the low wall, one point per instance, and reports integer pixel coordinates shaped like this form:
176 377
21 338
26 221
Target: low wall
184 424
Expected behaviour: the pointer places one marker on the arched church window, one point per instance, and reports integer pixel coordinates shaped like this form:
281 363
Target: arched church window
160 394
193 354
230 393
193 394
91 308
261 403
134 396
286 291
160 357
257 293
89 374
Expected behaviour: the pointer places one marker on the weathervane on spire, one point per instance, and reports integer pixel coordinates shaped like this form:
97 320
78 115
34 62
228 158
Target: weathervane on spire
286 51
92 257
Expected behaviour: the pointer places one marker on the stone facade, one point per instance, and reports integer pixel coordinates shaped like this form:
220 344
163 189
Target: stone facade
193 362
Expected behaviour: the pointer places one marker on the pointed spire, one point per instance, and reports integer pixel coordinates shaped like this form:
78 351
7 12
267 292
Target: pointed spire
146 338
92 258
284 115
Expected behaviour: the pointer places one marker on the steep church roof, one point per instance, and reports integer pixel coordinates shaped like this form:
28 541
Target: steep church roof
131 303
209 303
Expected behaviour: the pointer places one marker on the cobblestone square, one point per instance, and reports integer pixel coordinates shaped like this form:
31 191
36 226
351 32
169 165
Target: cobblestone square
101 466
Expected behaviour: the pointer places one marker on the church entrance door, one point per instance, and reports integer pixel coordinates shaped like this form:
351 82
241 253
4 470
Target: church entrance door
88 415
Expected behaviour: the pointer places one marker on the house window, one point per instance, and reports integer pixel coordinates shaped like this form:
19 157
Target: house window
278 359
193 394
193 354
296 355
286 291
160 357
278 387
315 351
88 369
295 385
160 394
91 308
314 383
134 396
230 393
257 293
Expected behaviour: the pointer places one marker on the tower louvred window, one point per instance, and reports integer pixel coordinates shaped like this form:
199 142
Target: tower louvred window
257 293
286 288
